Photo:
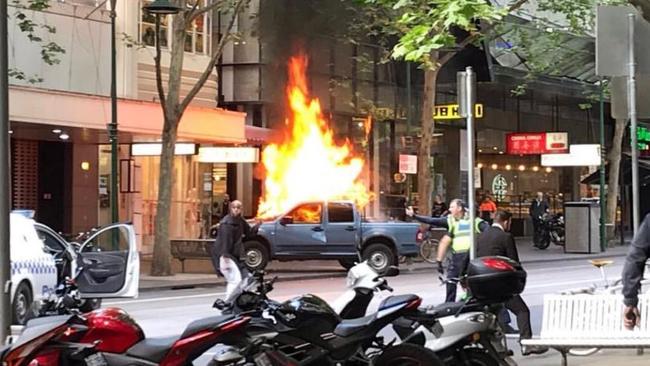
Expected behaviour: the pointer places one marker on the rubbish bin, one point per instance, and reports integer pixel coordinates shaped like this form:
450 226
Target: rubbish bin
582 234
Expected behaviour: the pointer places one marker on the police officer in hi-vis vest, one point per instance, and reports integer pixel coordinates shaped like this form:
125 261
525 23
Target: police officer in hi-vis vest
458 231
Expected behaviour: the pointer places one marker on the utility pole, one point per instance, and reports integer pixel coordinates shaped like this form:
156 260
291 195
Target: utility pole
466 84
5 261
634 148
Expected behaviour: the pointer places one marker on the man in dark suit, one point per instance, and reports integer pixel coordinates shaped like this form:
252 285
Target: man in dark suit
538 208
498 241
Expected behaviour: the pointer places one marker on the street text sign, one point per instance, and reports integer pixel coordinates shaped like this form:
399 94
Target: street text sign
535 143
408 164
451 111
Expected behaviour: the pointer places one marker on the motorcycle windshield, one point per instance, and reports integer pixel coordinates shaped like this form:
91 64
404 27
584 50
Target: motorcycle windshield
37 327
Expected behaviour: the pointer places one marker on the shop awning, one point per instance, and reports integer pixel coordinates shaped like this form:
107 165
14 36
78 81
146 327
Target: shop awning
258 135
626 170
65 109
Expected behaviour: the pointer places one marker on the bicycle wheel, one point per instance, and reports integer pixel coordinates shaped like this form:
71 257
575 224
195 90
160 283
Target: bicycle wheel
429 250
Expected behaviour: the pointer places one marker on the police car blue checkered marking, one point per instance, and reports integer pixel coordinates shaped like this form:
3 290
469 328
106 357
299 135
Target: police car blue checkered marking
34 266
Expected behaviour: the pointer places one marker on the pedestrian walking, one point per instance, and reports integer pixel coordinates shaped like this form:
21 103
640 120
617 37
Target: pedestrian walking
497 241
227 248
459 229
538 208
633 273
487 209
225 205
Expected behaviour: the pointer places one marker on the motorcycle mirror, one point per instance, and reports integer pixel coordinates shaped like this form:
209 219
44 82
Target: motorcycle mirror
392 271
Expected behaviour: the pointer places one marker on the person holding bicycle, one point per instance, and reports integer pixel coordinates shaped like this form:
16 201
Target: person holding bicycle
633 273
459 229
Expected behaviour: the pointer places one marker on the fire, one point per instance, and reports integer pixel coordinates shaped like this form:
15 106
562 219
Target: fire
308 165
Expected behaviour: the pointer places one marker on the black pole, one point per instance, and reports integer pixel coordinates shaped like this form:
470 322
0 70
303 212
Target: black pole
112 127
5 263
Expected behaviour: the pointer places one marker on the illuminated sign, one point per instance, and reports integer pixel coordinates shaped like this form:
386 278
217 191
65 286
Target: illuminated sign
155 149
499 187
229 155
579 155
643 141
535 143
450 111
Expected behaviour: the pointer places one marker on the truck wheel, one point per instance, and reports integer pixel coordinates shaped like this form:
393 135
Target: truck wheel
346 263
256 256
22 305
379 257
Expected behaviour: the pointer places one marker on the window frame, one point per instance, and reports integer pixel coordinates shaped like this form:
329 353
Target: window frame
192 31
293 218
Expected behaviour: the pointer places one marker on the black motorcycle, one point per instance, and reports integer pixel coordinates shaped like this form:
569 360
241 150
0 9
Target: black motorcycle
550 229
306 331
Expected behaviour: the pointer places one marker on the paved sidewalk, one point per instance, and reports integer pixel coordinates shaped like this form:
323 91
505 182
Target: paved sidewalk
302 270
609 357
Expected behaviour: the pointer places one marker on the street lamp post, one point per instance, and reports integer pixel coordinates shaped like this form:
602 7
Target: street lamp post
112 127
5 284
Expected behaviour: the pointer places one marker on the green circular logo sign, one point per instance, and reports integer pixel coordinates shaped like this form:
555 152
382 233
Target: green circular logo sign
499 187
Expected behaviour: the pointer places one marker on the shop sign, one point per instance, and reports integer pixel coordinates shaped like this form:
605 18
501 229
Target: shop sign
229 155
643 141
450 111
155 149
499 187
579 155
408 164
536 143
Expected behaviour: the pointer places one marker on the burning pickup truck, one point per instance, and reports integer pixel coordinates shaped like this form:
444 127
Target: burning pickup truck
330 230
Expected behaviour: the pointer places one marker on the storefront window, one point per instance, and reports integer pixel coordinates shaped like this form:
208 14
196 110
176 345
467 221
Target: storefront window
197 194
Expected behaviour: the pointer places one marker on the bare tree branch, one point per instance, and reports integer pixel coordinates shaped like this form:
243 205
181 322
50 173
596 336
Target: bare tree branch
195 13
643 6
472 37
215 56
159 83
188 14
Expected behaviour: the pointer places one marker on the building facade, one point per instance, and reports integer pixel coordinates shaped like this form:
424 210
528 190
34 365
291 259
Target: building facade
60 149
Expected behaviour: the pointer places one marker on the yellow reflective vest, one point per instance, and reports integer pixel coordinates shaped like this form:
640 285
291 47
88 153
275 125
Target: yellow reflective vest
459 231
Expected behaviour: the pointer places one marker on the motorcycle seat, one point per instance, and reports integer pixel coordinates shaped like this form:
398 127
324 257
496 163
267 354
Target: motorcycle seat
396 300
152 349
205 324
450 308
348 327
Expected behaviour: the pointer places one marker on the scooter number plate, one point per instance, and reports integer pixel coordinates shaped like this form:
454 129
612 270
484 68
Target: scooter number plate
437 330
263 360
95 359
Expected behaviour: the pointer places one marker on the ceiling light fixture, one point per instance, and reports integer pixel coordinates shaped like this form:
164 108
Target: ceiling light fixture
56 130
64 136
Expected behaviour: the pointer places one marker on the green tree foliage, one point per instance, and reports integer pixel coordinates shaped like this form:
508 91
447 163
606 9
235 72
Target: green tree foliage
35 32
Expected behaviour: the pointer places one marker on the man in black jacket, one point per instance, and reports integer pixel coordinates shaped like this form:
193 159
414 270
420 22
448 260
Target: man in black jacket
633 273
227 248
498 241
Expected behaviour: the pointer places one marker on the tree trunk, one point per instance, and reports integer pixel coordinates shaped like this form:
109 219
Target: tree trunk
161 265
614 164
425 176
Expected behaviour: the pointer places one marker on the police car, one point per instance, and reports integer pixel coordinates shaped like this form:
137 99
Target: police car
106 265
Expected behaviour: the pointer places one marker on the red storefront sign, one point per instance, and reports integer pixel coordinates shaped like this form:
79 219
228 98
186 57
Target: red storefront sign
535 143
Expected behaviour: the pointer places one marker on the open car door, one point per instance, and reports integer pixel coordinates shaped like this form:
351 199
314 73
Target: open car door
109 263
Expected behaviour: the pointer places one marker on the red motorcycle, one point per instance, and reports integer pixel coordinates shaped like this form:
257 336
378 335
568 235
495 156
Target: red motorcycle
111 337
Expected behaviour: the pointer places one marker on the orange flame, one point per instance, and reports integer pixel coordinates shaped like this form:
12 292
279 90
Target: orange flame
308 165
367 125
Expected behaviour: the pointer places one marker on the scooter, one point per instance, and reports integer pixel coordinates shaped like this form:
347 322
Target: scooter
447 329
111 337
